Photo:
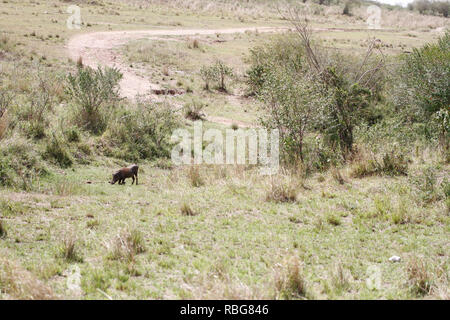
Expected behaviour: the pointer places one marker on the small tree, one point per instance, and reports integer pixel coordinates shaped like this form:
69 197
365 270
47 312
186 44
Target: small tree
222 71
290 101
207 75
350 86
92 90
217 73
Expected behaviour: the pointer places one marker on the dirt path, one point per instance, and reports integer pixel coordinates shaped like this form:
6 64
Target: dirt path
97 48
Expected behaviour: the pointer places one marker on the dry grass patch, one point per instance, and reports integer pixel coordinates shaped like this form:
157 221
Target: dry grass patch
283 189
420 278
186 210
127 245
389 163
337 175
340 278
290 282
195 177
69 249
17 283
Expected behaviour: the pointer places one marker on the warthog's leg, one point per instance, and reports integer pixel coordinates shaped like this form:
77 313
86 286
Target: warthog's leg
136 178
132 182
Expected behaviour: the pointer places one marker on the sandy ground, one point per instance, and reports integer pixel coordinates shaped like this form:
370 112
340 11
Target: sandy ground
97 48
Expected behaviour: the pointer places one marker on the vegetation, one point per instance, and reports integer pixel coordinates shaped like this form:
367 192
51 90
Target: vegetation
94 91
434 7
364 135
217 73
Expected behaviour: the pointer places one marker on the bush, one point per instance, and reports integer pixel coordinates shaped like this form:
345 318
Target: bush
143 132
195 177
127 244
426 186
389 163
281 52
430 7
69 250
422 92
5 100
207 75
193 110
284 189
306 89
94 91
218 73
56 149
3 232
290 283
420 279
20 164
72 134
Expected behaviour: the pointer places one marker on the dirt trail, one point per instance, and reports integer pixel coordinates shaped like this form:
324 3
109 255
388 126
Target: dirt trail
97 48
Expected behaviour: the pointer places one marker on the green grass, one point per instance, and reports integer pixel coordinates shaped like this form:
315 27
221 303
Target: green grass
182 251
208 232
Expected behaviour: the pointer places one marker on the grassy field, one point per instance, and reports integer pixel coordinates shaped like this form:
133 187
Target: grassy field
226 238
214 232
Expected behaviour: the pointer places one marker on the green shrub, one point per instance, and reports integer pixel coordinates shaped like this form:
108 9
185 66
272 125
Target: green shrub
72 134
218 73
20 164
33 111
94 92
346 10
207 75
56 149
306 89
143 132
193 110
422 90
426 186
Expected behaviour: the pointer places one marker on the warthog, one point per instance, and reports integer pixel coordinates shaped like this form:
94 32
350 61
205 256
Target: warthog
124 173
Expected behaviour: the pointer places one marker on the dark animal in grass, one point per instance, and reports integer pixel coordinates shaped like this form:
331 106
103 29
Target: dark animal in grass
124 173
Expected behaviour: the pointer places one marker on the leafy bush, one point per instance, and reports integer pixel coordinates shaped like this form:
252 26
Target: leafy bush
207 75
346 10
426 185
281 52
143 132
218 73
94 91
193 110
422 93
35 112
56 149
309 90
430 7
5 100
20 164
